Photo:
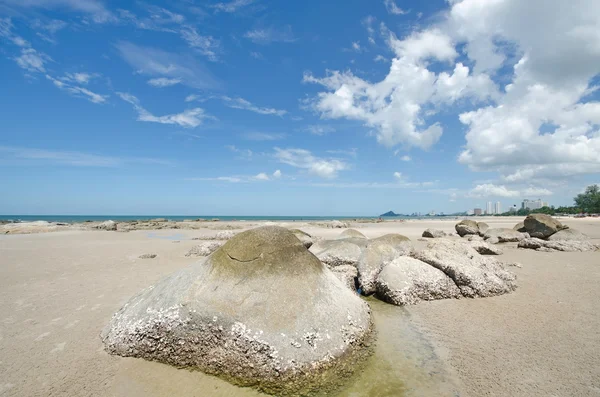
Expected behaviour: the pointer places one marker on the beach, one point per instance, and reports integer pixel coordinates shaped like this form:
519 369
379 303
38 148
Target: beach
60 288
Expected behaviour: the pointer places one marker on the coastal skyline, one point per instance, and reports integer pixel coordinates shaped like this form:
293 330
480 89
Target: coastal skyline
248 107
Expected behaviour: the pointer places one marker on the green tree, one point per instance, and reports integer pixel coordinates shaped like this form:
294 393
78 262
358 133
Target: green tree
589 201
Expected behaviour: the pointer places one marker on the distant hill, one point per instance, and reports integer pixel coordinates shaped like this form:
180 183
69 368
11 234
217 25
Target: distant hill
390 213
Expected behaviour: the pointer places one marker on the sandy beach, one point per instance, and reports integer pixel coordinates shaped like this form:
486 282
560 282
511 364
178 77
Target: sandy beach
60 289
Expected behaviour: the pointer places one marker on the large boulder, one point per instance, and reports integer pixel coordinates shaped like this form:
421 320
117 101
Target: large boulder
261 311
407 281
347 275
337 252
483 227
474 274
558 245
433 233
393 239
502 235
465 227
520 227
350 233
375 256
542 225
304 237
485 248
568 235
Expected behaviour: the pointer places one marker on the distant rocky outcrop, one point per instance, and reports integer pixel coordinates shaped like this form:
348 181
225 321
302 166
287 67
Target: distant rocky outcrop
389 214
260 311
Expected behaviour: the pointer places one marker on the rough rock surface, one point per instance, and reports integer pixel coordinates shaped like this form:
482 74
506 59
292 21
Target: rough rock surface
483 227
107 225
223 235
474 274
520 227
148 256
558 245
337 225
375 256
407 281
304 237
433 233
347 275
204 249
485 248
350 233
466 227
473 237
504 235
261 311
569 235
337 252
542 225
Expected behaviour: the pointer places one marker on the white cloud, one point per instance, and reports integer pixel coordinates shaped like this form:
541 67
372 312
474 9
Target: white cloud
368 24
205 45
94 8
32 60
380 58
69 83
356 46
262 177
320 129
277 174
232 6
240 103
245 154
159 63
191 98
256 55
164 82
189 118
398 175
491 190
263 136
271 35
537 192
406 158
350 153
392 8
300 158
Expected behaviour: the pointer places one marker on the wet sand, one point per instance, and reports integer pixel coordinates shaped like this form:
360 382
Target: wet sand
59 289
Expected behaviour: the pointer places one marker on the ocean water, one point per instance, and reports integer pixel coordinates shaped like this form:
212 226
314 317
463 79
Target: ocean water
124 218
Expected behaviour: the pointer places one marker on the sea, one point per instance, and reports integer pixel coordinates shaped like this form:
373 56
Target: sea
125 218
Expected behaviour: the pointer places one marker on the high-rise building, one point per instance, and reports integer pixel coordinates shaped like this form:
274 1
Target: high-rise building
498 209
533 204
477 211
489 210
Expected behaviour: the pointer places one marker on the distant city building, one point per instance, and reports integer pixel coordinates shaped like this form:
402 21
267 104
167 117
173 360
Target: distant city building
498 209
533 204
490 209
477 211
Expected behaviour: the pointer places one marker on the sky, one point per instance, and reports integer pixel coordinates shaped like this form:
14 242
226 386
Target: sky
257 107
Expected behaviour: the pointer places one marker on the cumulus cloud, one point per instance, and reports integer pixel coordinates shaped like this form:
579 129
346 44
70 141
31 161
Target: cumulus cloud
189 118
491 190
277 174
304 159
262 177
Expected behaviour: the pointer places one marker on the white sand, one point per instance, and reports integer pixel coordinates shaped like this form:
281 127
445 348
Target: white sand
59 289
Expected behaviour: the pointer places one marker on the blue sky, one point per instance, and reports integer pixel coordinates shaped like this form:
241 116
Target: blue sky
255 107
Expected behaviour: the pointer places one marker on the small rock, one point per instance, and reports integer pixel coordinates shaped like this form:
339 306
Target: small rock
465 227
350 233
148 256
433 233
504 235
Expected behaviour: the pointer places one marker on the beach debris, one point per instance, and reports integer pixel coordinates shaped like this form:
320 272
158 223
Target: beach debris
350 233
347 275
433 233
542 225
474 274
408 281
148 256
465 227
204 249
304 237
260 311
503 235
558 245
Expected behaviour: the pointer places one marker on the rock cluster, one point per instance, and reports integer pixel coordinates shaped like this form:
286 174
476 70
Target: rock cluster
548 234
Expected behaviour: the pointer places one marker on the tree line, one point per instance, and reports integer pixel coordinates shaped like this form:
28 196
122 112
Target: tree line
587 202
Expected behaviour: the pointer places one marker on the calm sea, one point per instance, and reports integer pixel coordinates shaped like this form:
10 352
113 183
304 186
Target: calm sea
83 218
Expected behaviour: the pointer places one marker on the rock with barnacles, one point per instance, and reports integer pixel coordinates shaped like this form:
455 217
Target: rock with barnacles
261 311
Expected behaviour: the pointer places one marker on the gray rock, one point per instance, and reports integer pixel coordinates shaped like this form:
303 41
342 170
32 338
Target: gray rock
465 227
337 225
393 239
108 225
337 252
485 248
520 227
374 257
204 249
475 275
347 275
148 256
260 311
350 233
492 240
558 245
504 235
473 237
569 235
483 227
305 238
433 233
407 281
542 225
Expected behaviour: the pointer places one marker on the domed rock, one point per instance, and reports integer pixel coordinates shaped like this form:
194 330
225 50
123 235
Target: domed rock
350 233
375 256
304 237
568 235
433 233
407 281
393 239
474 274
465 227
542 225
339 252
261 311
504 236
483 227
